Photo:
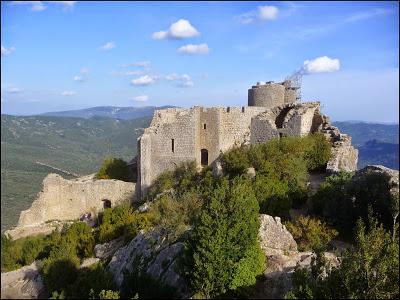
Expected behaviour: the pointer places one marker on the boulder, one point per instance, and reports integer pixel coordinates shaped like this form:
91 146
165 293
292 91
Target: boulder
392 174
106 250
275 239
87 262
24 283
150 253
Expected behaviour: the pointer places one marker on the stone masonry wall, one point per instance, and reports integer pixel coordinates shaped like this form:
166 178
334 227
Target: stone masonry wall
63 199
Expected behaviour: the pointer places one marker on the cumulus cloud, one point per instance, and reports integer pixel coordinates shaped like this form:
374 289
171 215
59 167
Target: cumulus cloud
107 46
321 64
181 29
141 98
6 51
39 5
68 93
143 80
183 80
263 13
143 63
194 49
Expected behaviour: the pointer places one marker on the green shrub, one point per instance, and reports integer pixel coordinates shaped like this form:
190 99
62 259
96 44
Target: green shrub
60 272
108 294
223 249
121 221
235 161
311 233
318 152
115 168
370 270
175 215
90 282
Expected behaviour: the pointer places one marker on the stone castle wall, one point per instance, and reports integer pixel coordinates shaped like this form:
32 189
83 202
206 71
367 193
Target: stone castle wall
62 199
218 129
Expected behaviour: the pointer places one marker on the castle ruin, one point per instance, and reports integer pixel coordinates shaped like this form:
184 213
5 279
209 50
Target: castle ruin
200 134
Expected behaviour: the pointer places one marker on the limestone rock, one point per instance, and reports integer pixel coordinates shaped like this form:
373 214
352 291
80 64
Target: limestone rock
149 252
251 172
277 279
24 283
106 250
87 262
275 239
393 174
144 207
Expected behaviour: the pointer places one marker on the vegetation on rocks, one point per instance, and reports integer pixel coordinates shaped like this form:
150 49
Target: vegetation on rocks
115 168
311 234
370 270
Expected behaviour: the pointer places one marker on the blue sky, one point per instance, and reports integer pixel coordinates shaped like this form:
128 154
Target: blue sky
72 54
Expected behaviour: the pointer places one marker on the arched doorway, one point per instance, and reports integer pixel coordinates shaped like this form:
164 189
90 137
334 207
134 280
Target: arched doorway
204 157
106 203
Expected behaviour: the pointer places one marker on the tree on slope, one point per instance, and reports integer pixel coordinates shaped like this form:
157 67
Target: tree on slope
224 248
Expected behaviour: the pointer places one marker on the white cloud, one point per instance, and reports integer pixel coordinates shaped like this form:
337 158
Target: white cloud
78 78
129 73
194 49
144 63
263 13
13 90
368 14
68 93
183 80
6 51
143 80
39 5
321 64
83 76
181 29
267 12
108 46
141 98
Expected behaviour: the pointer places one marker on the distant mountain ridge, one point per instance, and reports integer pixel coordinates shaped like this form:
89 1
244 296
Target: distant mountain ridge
115 112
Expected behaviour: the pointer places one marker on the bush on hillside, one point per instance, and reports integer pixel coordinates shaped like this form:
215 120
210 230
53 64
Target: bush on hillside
224 250
121 221
115 168
370 270
311 234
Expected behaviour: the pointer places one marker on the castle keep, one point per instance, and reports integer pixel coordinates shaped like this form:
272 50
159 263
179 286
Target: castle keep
200 134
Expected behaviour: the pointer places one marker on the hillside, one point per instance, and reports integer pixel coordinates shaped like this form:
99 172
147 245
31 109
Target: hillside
75 145
124 113
378 144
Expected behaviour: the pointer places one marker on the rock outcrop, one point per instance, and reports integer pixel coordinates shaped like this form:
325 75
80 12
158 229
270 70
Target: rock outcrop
344 156
275 239
393 175
106 250
280 249
62 199
149 253
24 283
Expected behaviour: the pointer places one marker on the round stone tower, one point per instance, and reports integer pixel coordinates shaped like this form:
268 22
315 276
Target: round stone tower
267 94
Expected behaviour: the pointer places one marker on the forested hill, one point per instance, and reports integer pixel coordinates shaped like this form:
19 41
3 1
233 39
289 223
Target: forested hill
124 113
75 145
378 144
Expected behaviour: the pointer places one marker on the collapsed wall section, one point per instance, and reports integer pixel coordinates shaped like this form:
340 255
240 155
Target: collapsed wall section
62 199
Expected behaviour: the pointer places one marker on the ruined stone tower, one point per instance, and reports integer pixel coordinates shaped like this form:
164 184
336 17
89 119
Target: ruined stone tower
271 94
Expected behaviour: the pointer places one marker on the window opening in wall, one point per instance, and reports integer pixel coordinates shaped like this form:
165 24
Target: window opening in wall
173 145
228 109
204 157
281 135
106 203
242 109
205 126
